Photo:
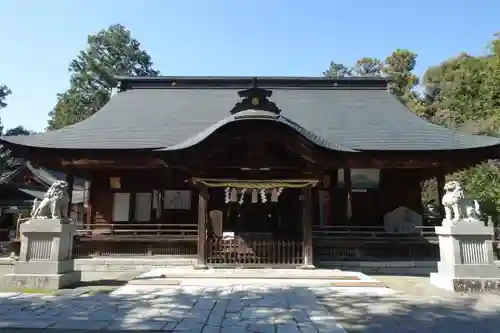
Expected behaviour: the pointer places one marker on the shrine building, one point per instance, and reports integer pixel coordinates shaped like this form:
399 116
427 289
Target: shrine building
242 171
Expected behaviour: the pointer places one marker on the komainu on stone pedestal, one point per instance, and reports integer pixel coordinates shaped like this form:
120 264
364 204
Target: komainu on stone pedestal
465 244
457 205
45 257
54 204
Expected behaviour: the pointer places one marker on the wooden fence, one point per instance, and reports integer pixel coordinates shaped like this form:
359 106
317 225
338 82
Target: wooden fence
127 239
335 243
372 243
254 252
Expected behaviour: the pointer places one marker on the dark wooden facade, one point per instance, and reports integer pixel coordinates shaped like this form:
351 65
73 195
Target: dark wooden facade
247 151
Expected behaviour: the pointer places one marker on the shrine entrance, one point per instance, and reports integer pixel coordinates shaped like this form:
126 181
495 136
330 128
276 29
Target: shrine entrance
278 214
258 223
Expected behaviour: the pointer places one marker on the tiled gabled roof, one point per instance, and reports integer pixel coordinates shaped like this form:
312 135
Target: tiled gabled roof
353 114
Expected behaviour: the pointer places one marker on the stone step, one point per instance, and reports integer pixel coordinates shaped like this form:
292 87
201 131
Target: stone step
281 274
278 282
291 277
251 276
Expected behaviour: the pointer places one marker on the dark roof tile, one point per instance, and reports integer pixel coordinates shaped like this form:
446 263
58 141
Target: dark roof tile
349 117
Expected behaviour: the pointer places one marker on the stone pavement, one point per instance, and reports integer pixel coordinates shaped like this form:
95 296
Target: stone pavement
410 304
232 309
416 306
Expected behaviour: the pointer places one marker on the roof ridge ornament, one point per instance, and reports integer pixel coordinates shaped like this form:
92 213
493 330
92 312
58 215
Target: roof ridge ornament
255 98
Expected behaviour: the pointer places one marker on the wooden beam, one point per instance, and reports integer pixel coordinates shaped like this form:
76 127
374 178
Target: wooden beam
202 227
440 180
348 190
307 249
70 180
333 190
130 163
90 199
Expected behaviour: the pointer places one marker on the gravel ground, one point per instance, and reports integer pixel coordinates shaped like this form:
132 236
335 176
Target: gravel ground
417 307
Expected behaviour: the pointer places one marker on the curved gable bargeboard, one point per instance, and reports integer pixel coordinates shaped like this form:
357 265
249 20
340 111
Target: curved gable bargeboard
256 117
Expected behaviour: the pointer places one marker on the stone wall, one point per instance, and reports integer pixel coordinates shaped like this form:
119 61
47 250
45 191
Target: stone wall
107 268
104 268
6 266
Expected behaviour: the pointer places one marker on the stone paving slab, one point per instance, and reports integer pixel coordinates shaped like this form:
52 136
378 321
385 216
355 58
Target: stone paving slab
409 305
413 306
193 309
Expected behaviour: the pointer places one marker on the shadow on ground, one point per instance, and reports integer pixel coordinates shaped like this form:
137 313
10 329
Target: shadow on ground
248 309
403 313
170 308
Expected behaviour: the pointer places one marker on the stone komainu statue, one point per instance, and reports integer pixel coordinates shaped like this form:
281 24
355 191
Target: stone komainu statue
457 205
54 204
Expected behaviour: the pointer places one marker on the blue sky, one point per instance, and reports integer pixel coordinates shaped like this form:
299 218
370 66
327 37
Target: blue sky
228 37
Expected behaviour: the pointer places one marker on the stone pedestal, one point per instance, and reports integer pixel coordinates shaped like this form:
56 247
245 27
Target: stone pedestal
45 258
467 261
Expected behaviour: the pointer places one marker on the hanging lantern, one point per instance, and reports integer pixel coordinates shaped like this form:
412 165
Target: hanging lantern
255 196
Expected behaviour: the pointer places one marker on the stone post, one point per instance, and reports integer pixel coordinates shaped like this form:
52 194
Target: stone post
45 259
467 260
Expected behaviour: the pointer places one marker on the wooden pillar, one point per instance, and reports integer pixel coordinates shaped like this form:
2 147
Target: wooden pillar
307 248
87 205
202 227
70 179
348 194
333 190
440 180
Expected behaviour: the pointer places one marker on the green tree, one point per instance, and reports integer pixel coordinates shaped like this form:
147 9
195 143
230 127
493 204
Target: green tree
367 66
19 130
464 93
109 53
4 92
399 67
455 92
7 162
337 70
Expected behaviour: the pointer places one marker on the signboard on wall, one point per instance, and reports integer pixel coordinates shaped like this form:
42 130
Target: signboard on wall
361 178
143 207
121 207
177 199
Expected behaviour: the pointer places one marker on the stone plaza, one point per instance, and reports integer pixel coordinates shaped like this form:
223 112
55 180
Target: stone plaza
212 309
410 305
